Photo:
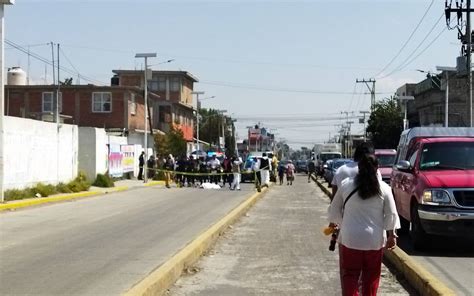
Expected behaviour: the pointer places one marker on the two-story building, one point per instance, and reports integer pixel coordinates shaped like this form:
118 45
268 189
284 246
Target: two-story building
174 88
429 106
109 107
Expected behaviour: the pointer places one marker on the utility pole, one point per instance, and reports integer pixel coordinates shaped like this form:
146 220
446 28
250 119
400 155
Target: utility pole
346 142
365 132
466 40
371 89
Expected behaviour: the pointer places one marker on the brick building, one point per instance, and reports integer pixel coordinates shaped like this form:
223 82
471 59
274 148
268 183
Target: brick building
109 107
175 106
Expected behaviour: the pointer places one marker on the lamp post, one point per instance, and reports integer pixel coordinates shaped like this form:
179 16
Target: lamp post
446 110
2 94
197 93
145 98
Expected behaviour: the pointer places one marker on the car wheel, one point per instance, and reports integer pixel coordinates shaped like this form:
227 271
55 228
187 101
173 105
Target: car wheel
418 236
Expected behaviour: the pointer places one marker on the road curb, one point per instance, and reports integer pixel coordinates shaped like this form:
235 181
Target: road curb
13 205
162 278
44 200
419 278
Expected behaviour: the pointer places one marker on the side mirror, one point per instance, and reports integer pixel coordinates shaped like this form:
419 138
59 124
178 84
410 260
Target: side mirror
403 165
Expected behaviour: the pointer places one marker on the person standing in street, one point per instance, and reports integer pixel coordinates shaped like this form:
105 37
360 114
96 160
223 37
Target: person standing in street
351 169
311 169
290 173
265 167
214 165
281 173
256 171
364 210
169 166
141 164
236 163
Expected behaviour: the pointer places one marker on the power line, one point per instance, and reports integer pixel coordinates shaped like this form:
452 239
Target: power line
407 60
276 89
48 62
408 40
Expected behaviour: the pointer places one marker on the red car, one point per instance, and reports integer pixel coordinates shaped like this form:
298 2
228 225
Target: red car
386 159
433 182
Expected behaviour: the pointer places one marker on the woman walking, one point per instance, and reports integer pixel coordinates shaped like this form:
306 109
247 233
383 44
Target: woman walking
364 209
290 173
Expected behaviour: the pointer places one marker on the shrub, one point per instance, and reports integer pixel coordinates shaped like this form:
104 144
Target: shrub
63 188
103 180
79 184
43 189
16 194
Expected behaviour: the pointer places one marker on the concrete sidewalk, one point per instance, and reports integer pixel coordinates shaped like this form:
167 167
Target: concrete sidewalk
277 249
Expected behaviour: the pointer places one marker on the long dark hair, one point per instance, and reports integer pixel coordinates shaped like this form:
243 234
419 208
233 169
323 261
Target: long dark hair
367 180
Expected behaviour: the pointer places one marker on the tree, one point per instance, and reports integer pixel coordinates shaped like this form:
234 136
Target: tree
171 143
385 124
67 81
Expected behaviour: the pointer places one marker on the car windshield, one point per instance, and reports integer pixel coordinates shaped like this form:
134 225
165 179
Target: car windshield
447 156
327 156
386 160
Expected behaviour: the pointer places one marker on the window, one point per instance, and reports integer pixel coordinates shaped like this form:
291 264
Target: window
153 85
48 102
175 84
133 104
162 83
438 114
101 102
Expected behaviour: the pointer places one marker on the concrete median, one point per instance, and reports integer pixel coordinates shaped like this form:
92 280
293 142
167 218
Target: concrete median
419 278
160 280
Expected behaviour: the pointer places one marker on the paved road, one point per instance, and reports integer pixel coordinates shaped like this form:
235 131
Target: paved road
278 249
103 245
450 260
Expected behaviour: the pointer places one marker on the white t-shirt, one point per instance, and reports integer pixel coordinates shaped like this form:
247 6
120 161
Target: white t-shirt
365 220
349 170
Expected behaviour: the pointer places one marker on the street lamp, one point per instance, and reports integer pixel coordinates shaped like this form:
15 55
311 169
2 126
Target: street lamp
197 93
447 70
145 98
2 93
165 62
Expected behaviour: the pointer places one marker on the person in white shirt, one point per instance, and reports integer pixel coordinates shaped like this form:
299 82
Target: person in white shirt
266 166
236 162
350 170
363 218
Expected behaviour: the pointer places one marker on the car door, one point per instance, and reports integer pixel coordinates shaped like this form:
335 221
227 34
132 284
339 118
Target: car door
407 183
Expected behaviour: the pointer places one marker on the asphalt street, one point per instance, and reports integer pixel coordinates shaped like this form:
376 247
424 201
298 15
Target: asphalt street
277 249
103 245
450 260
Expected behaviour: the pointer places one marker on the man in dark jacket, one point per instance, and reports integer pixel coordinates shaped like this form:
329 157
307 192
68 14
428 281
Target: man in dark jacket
141 164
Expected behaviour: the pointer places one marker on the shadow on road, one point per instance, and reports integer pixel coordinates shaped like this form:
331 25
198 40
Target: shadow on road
439 247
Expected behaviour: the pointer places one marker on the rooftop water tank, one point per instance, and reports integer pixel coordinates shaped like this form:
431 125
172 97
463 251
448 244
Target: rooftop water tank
16 76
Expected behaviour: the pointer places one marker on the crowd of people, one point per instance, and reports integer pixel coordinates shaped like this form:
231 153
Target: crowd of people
191 171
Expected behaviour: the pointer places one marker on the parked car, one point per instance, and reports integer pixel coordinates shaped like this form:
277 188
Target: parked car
433 183
332 166
386 158
302 166
322 158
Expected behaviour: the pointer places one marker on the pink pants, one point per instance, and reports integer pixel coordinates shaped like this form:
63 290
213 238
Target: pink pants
357 264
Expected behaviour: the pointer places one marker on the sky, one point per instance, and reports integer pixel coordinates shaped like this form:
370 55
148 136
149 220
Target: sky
290 65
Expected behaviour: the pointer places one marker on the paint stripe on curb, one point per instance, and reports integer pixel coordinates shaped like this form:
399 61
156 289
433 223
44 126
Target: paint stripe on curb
162 278
43 200
153 183
419 278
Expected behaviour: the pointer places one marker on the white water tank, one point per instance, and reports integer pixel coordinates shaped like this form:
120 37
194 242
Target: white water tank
16 76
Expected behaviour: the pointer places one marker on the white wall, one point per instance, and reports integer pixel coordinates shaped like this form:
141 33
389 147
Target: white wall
36 152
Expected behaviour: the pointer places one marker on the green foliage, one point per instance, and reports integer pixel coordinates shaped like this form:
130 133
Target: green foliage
63 188
103 180
43 189
385 124
171 143
79 184
16 194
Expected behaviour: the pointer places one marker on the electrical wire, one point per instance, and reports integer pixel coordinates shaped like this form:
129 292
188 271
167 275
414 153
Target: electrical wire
48 62
407 60
408 40
275 89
